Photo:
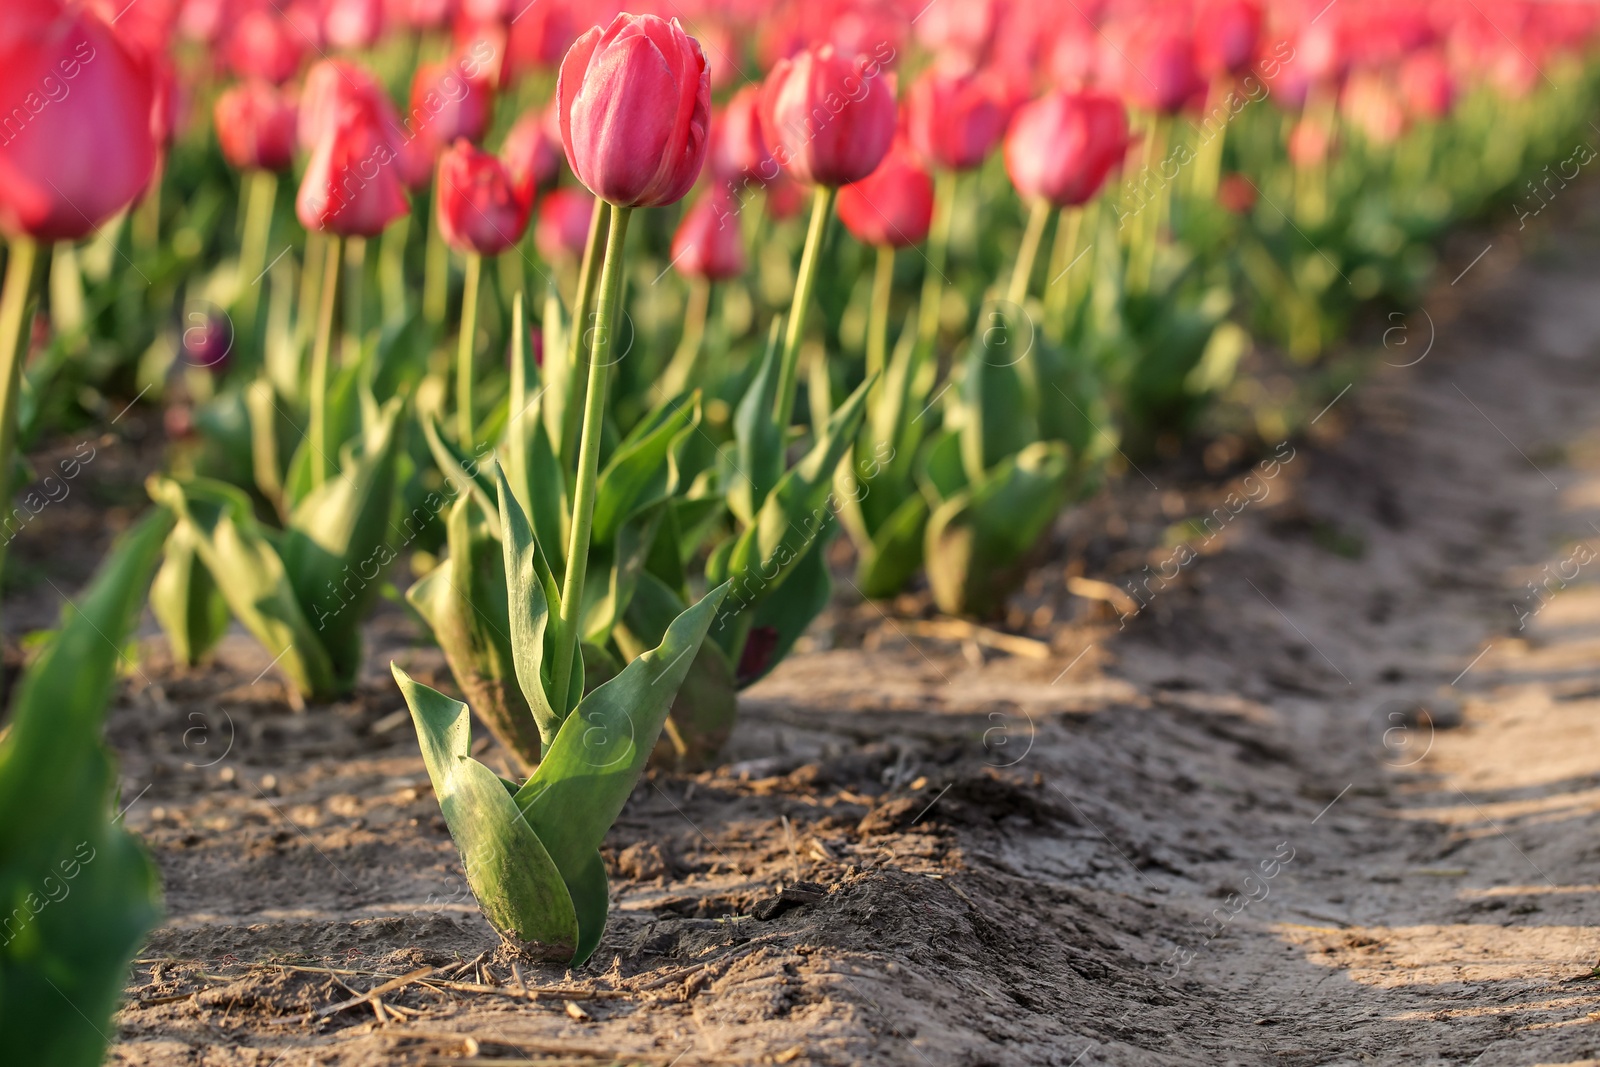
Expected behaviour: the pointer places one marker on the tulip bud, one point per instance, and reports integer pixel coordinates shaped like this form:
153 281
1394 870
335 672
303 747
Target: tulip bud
891 206
422 14
333 85
1159 72
256 126
635 107
539 36
353 24
1062 146
264 45
1427 85
532 158
954 120
738 151
479 210
827 119
1369 104
446 104
352 186
708 243
82 155
1236 194
1227 34
1309 143
563 228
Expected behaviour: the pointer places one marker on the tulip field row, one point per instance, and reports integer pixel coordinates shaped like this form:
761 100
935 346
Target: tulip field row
617 344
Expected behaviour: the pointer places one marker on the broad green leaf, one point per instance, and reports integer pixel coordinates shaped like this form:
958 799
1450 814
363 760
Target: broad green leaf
77 892
531 593
461 472
758 455
622 564
789 610
518 886
464 601
895 555
797 509
640 473
250 573
336 547
999 403
592 766
186 601
978 542
269 457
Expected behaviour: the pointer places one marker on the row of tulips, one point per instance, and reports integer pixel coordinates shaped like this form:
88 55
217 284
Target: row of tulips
1068 227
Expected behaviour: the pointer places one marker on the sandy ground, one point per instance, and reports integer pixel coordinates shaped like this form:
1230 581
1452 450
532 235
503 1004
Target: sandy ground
1326 799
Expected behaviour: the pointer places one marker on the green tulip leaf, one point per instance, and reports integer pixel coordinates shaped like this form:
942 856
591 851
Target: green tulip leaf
186 600
250 573
978 542
518 886
532 589
78 894
464 601
895 554
591 767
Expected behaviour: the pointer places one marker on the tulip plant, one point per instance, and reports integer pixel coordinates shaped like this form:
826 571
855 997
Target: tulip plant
941 316
531 851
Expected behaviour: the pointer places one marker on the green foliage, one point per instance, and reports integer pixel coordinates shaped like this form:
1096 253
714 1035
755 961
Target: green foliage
532 853
77 891
303 591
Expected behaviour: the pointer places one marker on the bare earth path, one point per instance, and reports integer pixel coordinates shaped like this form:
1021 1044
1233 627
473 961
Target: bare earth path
1329 798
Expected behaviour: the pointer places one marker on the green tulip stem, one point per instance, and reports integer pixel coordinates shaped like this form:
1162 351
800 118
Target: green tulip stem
933 282
1032 237
435 274
261 194
1152 216
311 259
1063 258
321 463
392 271
355 274
464 347
805 284
680 373
878 320
13 349
588 278
607 306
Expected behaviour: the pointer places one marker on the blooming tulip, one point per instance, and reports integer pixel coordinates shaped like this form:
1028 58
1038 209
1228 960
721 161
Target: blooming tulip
738 150
532 158
69 160
1227 34
708 243
563 227
892 206
478 210
954 120
635 109
351 186
256 126
827 119
1062 146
